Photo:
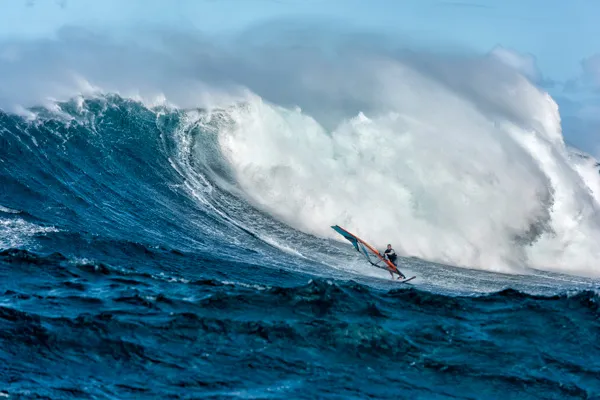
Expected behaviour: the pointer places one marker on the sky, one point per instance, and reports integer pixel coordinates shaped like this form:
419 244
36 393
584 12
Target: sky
556 38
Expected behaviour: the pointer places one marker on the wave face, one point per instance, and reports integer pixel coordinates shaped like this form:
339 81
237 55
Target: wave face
164 231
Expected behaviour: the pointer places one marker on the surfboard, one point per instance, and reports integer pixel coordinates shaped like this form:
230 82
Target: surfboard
372 256
409 279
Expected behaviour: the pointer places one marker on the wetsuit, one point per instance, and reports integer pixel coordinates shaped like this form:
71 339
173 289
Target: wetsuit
391 255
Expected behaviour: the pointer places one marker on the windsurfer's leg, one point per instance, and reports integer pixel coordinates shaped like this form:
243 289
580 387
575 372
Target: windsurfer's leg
401 275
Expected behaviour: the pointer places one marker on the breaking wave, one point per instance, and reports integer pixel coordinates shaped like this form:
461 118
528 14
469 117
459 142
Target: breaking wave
454 159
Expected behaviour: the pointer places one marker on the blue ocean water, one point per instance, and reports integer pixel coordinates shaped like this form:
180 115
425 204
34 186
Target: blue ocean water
126 273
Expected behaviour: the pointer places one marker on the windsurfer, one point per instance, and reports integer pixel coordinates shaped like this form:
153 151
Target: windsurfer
390 254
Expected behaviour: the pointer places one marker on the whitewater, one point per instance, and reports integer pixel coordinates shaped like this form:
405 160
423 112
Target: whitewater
167 201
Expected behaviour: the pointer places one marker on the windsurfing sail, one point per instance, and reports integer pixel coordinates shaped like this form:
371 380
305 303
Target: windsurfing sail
368 251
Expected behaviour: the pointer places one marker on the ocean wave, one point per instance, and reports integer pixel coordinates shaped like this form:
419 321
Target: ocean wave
470 153
165 230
